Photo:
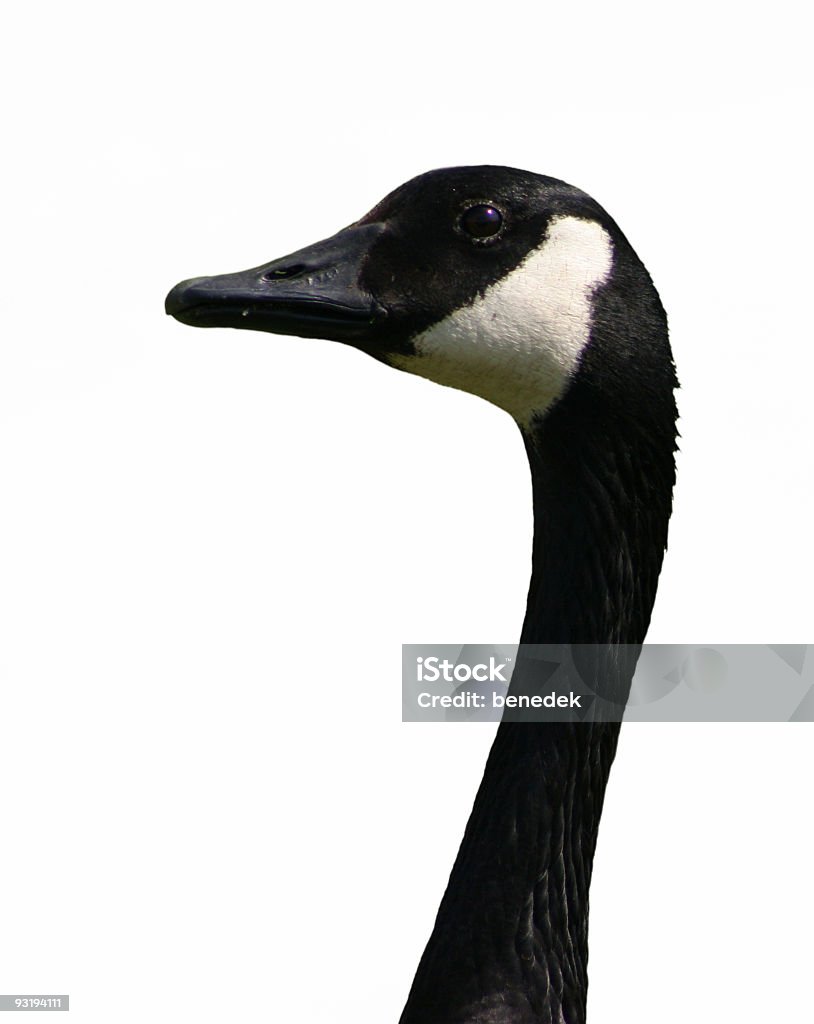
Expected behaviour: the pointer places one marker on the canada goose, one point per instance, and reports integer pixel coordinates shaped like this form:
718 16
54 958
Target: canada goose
520 289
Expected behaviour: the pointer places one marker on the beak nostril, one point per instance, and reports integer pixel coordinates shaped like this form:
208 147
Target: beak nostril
285 273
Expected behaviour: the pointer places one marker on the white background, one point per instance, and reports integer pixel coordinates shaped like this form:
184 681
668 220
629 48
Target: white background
214 543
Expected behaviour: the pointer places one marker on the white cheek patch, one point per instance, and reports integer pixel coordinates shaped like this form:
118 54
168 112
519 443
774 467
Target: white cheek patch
519 343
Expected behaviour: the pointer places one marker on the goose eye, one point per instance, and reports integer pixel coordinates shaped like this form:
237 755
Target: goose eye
481 221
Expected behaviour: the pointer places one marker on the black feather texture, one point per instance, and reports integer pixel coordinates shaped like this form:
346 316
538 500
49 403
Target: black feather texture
510 943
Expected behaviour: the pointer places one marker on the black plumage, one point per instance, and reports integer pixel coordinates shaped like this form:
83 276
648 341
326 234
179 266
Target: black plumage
509 944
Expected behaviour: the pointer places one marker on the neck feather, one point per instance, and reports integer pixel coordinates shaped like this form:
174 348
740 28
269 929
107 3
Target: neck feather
602 483
510 939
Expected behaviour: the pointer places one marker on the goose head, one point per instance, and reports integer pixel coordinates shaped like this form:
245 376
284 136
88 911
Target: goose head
486 279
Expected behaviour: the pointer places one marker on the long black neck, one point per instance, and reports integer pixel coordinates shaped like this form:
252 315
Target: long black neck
510 939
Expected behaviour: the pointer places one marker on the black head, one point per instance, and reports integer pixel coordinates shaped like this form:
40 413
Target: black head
482 278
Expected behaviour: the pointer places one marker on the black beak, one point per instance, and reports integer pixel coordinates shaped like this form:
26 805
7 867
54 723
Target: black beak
313 293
